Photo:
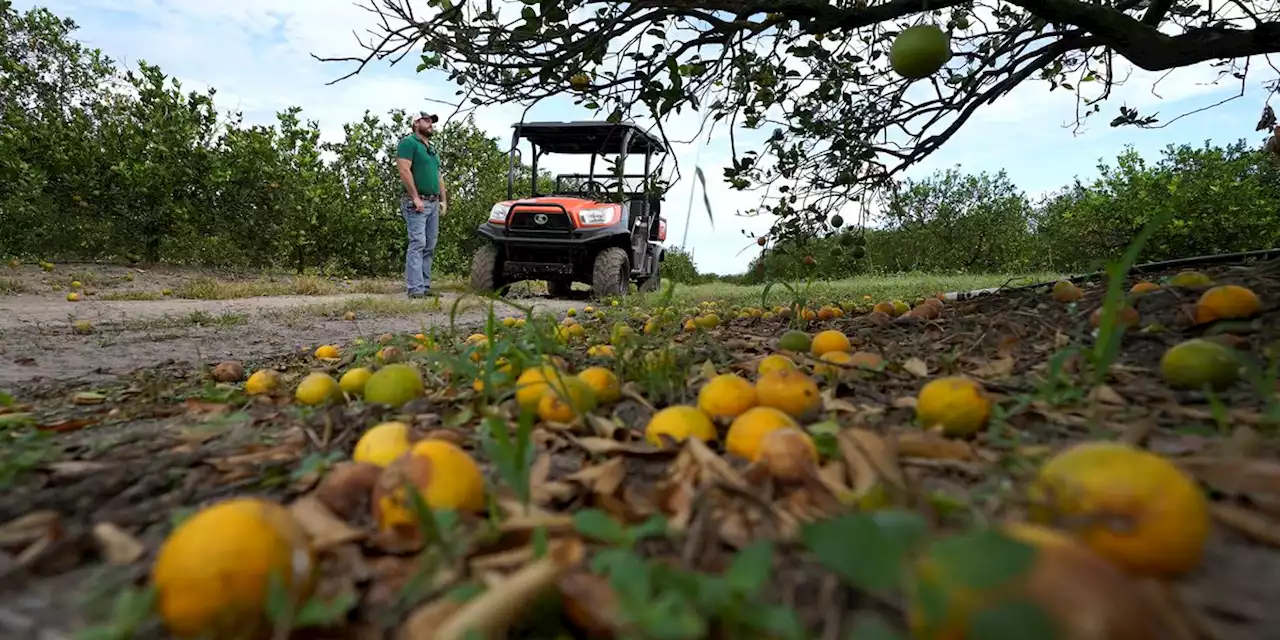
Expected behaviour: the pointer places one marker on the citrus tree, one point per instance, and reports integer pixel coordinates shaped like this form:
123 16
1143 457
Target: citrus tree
844 104
953 220
1218 200
99 162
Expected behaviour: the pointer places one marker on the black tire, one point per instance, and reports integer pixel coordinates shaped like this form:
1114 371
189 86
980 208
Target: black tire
653 282
611 273
485 270
560 288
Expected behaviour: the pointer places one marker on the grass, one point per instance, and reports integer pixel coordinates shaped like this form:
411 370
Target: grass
207 288
13 287
907 286
193 319
364 307
132 295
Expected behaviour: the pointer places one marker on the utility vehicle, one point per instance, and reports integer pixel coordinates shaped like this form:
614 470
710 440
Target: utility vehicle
603 228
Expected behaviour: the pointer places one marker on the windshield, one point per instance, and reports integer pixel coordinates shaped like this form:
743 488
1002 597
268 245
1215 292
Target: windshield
601 186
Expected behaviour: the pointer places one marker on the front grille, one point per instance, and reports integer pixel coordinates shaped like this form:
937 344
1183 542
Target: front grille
527 219
549 255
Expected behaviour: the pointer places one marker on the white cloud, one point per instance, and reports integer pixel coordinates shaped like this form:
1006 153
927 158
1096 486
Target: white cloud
258 54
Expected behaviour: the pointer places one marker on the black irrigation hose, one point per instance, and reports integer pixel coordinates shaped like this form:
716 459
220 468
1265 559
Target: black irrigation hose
1213 259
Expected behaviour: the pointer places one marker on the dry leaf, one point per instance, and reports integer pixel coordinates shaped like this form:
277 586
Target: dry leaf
540 471
591 604
117 546
491 613
347 488
324 528
603 427
905 402
1243 443
871 461
917 367
831 403
87 398
923 444
77 468
26 529
1235 476
422 623
68 425
1107 395
606 446
993 369
606 477
1250 523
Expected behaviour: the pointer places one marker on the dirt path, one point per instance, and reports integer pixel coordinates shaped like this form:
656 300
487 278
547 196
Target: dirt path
38 337
34 310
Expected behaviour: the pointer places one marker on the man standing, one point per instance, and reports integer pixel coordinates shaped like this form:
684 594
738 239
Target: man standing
422 203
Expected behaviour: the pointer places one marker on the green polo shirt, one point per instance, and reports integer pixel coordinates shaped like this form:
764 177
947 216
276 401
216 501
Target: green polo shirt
424 164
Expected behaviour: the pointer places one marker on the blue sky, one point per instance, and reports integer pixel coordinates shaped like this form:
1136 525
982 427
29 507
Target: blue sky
256 53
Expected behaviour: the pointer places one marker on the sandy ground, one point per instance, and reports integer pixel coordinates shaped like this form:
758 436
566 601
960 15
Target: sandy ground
38 337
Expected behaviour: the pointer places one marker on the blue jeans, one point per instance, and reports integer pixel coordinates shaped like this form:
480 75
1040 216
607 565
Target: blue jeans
424 230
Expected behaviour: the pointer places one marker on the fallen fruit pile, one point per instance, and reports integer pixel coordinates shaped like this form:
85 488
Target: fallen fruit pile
635 473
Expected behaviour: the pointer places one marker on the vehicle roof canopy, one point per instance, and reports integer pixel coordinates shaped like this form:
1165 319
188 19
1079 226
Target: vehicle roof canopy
585 137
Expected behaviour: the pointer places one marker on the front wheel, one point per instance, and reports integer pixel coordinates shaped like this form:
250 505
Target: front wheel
611 273
486 269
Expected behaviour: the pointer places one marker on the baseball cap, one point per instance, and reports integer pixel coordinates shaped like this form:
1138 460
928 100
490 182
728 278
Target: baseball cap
429 116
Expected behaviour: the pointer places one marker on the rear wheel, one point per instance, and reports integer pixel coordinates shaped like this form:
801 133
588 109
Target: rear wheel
560 288
653 282
611 273
486 269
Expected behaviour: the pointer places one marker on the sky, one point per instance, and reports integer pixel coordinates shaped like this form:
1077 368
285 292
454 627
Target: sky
258 54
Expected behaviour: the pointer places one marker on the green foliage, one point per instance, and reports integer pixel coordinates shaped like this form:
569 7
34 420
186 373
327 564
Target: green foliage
103 164
953 221
1205 200
884 551
1217 200
678 267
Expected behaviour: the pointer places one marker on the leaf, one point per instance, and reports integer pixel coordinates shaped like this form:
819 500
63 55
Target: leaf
11 420
869 626
88 397
706 200
981 560
751 568
599 525
861 549
926 444
654 527
917 367
992 369
1012 620
871 461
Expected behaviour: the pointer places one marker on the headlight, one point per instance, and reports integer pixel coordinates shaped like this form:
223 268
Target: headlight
498 214
596 216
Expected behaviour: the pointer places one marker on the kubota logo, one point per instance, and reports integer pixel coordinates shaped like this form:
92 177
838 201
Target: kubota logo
541 218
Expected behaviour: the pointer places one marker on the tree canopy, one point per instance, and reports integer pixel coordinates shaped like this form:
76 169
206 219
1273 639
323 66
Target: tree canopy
813 74
157 173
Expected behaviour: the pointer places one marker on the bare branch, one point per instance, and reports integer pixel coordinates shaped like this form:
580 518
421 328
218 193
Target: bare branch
833 125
